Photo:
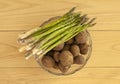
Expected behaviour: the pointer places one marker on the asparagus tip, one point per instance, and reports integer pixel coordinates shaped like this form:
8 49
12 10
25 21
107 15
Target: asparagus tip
72 9
21 41
26 58
91 21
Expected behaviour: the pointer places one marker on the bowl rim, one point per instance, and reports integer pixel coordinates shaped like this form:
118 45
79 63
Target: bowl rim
86 60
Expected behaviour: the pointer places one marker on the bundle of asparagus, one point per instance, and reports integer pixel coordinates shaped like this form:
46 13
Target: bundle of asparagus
41 40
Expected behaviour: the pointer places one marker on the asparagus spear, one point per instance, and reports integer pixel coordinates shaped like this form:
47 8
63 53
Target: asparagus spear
42 39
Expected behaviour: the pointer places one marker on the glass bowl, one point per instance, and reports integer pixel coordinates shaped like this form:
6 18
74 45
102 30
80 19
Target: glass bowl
74 68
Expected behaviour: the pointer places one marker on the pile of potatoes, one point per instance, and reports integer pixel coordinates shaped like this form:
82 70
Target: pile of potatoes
64 55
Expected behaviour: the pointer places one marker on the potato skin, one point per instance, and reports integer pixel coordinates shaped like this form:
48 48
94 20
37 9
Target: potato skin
59 47
62 68
84 48
70 41
66 58
48 61
79 60
75 50
56 56
66 47
81 38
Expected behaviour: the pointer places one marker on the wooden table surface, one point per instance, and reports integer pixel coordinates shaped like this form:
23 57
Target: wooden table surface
17 16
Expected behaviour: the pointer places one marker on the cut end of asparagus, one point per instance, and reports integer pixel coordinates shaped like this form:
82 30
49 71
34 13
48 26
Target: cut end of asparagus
21 41
28 48
28 57
25 48
22 49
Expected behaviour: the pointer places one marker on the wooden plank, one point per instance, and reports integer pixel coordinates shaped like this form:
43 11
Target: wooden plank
106 50
26 14
39 76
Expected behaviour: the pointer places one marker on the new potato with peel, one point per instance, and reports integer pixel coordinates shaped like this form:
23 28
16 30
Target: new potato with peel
66 58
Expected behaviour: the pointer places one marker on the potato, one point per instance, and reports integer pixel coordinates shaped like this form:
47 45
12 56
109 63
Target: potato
56 66
79 60
70 41
66 47
84 48
62 68
59 47
66 58
81 38
75 50
56 56
48 61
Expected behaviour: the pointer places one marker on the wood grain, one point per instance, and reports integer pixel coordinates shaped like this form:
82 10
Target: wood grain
39 76
27 14
17 16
